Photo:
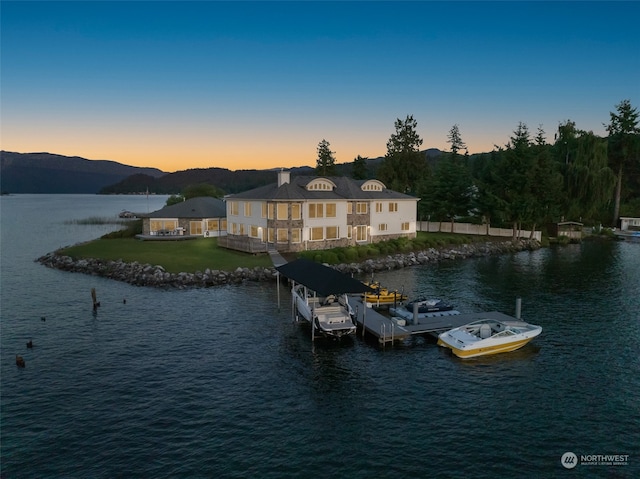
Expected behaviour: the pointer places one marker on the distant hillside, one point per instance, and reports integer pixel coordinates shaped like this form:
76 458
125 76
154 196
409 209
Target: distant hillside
50 173
233 181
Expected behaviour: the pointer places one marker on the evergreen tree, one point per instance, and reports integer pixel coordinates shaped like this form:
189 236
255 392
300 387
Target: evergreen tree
624 146
403 165
359 168
326 164
455 140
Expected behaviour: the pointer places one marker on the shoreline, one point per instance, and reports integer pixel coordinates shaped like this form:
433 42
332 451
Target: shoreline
155 276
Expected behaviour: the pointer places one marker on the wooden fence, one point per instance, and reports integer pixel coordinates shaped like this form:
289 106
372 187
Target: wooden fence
471 229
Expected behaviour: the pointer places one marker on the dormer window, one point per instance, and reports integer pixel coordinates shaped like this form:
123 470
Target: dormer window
321 184
372 185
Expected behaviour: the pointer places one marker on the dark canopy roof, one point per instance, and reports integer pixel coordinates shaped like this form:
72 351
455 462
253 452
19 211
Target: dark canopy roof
322 279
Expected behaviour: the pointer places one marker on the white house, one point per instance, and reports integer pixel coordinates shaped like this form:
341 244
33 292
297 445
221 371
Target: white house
314 213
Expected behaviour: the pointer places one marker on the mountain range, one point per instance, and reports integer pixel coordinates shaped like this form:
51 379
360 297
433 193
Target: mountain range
51 173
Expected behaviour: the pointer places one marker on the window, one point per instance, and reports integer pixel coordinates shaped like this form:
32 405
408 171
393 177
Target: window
316 210
349 208
224 225
382 227
243 230
264 210
247 209
167 225
254 231
195 227
361 208
283 235
331 210
361 233
270 211
296 211
270 235
234 228
393 207
331 232
405 226
349 235
283 211
233 208
317 233
378 207
296 235
213 225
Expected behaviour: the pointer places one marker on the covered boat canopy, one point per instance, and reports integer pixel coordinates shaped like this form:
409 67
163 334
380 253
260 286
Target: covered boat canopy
322 279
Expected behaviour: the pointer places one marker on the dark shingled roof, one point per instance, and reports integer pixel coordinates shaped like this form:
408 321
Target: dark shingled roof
346 189
200 207
322 279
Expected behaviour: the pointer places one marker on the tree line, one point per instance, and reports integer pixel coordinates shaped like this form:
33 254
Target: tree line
526 183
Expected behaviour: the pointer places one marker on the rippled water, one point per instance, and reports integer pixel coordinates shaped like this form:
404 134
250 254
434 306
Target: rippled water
221 382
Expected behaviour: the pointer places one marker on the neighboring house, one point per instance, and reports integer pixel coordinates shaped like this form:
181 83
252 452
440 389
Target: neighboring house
202 216
630 224
315 213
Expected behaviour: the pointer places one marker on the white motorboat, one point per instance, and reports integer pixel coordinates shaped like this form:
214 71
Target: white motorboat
331 315
488 336
320 296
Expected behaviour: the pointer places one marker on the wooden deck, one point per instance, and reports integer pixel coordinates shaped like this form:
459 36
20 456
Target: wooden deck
387 330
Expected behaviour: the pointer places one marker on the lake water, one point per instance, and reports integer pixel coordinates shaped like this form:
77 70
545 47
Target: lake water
220 382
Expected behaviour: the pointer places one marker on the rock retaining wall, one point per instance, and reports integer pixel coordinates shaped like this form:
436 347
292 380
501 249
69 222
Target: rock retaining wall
148 275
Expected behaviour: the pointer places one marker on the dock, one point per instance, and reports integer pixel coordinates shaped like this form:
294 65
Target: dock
388 330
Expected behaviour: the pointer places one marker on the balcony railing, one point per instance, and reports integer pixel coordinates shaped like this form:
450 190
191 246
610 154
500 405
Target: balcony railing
243 243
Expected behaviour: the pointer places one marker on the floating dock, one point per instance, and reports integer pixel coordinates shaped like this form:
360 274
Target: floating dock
387 330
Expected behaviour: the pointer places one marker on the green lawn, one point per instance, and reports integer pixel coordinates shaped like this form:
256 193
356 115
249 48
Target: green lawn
186 256
193 255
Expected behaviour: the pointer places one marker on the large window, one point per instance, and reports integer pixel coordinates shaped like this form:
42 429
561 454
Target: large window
393 207
163 225
223 227
405 226
233 208
264 210
253 232
361 233
316 210
213 225
349 208
195 227
283 235
378 207
296 211
331 232
247 209
361 208
331 210
382 227
296 235
317 233
283 211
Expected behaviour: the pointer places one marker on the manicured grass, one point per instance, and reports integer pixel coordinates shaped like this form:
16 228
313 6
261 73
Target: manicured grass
186 256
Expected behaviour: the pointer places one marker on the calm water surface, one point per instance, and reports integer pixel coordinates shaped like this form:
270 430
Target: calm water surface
220 382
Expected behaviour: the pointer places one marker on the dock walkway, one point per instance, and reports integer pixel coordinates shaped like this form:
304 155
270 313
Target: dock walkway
387 330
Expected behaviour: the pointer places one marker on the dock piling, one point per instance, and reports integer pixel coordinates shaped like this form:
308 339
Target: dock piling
518 307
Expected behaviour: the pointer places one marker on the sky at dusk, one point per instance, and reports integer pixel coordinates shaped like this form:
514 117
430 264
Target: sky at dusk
244 85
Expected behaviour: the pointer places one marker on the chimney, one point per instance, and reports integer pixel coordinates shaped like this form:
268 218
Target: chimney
283 177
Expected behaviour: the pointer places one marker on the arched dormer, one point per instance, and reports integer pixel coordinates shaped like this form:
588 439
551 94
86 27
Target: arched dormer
373 185
321 184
